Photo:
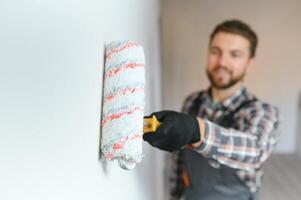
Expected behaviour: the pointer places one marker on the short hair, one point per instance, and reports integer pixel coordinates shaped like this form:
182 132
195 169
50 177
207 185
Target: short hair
238 27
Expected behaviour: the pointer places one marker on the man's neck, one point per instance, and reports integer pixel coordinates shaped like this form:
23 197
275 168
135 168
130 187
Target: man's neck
219 95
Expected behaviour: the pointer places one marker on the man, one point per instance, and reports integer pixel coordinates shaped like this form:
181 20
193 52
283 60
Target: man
224 134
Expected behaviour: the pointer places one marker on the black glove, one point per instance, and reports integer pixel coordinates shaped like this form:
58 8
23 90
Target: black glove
176 131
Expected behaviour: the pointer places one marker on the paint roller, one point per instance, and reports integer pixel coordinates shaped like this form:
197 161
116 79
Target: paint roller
122 123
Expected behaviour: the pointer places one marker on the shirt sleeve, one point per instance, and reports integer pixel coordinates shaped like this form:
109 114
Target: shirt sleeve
248 146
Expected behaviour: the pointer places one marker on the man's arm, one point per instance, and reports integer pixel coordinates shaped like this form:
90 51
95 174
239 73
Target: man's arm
242 149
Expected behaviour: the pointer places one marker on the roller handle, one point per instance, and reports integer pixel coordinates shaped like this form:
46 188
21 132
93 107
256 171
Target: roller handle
150 124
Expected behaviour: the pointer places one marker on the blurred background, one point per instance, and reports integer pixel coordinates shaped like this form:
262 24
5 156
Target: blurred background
51 80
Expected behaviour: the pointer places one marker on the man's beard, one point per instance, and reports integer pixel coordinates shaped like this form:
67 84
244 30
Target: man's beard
230 83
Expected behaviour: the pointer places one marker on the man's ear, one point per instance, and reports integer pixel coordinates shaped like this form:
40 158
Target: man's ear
250 63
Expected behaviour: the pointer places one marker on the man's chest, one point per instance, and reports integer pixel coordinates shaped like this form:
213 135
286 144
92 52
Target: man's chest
219 115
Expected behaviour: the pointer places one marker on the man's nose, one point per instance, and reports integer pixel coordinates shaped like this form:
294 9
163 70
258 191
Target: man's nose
223 60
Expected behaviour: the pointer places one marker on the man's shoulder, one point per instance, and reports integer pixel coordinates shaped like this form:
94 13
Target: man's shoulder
259 112
253 104
193 99
197 94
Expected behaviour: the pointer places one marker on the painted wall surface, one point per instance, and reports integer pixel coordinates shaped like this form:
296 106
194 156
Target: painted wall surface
275 77
50 81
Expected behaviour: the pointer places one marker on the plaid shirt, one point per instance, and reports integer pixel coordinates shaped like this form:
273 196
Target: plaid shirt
244 146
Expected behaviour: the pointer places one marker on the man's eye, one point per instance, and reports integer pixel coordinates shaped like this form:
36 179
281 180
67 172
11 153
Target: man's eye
214 51
236 54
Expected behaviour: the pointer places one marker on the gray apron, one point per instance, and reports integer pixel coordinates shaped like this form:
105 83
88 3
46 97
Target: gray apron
210 183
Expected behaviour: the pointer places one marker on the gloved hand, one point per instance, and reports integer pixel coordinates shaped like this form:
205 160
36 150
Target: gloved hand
176 130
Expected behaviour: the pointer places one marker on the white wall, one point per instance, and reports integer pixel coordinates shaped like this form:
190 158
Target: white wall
186 26
50 82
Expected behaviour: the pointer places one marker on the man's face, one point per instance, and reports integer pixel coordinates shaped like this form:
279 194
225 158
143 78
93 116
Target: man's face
228 59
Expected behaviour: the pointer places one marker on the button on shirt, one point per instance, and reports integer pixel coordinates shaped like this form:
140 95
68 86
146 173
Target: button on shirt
245 145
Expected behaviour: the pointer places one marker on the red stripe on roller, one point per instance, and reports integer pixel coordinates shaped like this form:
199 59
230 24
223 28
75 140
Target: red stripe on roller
118 115
120 144
117 70
117 50
123 91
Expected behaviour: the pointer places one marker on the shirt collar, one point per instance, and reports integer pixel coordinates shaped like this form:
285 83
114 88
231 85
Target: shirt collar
232 102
